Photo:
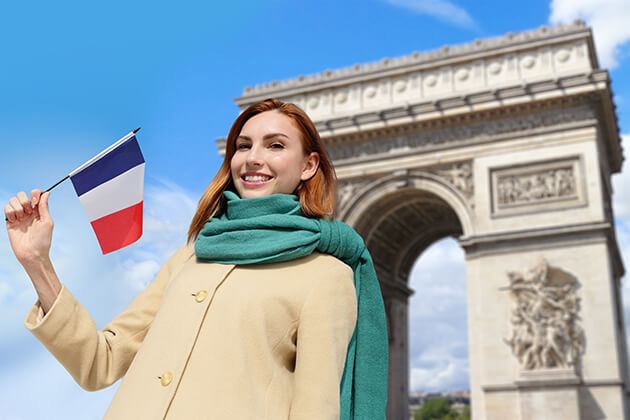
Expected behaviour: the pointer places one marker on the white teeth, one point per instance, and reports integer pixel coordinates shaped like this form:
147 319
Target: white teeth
256 178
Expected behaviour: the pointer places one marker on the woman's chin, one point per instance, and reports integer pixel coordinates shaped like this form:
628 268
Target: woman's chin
262 190
255 192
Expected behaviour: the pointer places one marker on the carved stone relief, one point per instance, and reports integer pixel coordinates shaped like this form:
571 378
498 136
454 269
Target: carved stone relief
459 175
545 322
524 188
555 184
426 138
347 189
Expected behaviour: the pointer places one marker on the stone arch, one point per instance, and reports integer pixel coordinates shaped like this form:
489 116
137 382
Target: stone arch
399 216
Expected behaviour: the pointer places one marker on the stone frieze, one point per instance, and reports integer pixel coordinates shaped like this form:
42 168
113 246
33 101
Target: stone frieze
423 139
537 186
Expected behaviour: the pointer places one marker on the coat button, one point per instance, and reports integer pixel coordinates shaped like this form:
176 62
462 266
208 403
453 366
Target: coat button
166 378
201 295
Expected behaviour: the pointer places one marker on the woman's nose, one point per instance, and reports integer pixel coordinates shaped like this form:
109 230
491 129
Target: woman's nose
255 156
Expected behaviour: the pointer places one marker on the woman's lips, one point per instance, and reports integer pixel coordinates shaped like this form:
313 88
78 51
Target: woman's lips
255 183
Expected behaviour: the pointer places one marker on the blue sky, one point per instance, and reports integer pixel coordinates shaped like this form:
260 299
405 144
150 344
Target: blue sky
76 76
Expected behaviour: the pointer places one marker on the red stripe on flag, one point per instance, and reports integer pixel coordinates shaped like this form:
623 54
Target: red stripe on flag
119 229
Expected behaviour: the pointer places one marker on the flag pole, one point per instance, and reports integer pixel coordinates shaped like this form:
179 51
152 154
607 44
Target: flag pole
68 176
58 182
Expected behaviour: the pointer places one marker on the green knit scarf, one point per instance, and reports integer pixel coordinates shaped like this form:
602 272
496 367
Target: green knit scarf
234 237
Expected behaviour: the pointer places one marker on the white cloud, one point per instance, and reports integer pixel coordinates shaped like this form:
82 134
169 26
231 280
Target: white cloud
39 388
440 9
5 290
438 343
608 18
139 274
445 375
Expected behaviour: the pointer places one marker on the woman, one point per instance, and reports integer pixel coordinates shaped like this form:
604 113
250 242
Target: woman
271 311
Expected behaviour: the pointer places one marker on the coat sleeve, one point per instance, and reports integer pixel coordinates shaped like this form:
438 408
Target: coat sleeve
97 359
326 324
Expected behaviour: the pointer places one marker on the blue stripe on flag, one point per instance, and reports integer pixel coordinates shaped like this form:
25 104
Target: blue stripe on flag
114 163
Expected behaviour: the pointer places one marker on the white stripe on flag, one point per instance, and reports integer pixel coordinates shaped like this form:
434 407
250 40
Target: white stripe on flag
114 195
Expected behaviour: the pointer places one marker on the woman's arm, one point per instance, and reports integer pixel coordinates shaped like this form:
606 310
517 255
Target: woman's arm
326 325
94 358
30 228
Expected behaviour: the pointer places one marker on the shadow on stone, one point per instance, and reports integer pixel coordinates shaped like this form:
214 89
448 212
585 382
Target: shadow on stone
589 408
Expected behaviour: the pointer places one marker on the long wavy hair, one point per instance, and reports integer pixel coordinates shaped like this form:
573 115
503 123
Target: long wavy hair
317 195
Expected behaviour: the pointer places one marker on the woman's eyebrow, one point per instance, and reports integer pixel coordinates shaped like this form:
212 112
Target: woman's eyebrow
265 137
272 135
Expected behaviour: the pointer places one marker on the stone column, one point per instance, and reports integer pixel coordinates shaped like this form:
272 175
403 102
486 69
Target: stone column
548 337
396 305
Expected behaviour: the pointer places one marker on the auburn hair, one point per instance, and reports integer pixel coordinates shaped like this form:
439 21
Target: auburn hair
317 195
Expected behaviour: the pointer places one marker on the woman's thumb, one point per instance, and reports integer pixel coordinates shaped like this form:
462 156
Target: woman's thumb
44 214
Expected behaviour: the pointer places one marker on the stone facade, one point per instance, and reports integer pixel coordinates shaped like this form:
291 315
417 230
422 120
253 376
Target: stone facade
507 144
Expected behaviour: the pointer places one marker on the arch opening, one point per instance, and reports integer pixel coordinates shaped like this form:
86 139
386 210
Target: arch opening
400 226
438 324
397 228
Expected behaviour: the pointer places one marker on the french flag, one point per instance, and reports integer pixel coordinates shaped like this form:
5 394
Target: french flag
110 188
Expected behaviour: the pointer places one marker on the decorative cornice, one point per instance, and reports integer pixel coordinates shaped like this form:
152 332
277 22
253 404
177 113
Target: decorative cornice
537 234
470 129
537 239
508 387
485 46
446 107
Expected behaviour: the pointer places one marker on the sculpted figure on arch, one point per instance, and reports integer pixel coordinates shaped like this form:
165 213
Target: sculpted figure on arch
545 328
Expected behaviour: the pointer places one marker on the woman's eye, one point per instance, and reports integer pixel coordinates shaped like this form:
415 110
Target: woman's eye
277 146
241 146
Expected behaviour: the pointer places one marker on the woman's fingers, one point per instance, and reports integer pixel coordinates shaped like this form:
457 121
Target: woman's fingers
17 208
9 214
21 206
25 202
35 195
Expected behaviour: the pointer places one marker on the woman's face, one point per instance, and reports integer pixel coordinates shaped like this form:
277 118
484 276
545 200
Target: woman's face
269 158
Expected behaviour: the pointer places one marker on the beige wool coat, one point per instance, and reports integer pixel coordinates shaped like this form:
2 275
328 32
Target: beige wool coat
215 341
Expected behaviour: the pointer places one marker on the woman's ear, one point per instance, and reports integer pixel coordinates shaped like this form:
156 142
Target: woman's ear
311 163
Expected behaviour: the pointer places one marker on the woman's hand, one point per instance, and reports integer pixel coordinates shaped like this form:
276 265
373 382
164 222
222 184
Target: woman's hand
29 226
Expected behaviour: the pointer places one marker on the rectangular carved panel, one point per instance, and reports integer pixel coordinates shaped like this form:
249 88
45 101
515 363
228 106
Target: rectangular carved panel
540 186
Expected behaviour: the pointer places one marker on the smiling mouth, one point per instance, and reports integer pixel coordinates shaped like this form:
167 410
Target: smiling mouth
255 179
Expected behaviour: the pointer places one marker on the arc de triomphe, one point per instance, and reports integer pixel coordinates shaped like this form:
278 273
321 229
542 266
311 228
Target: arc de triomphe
507 144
